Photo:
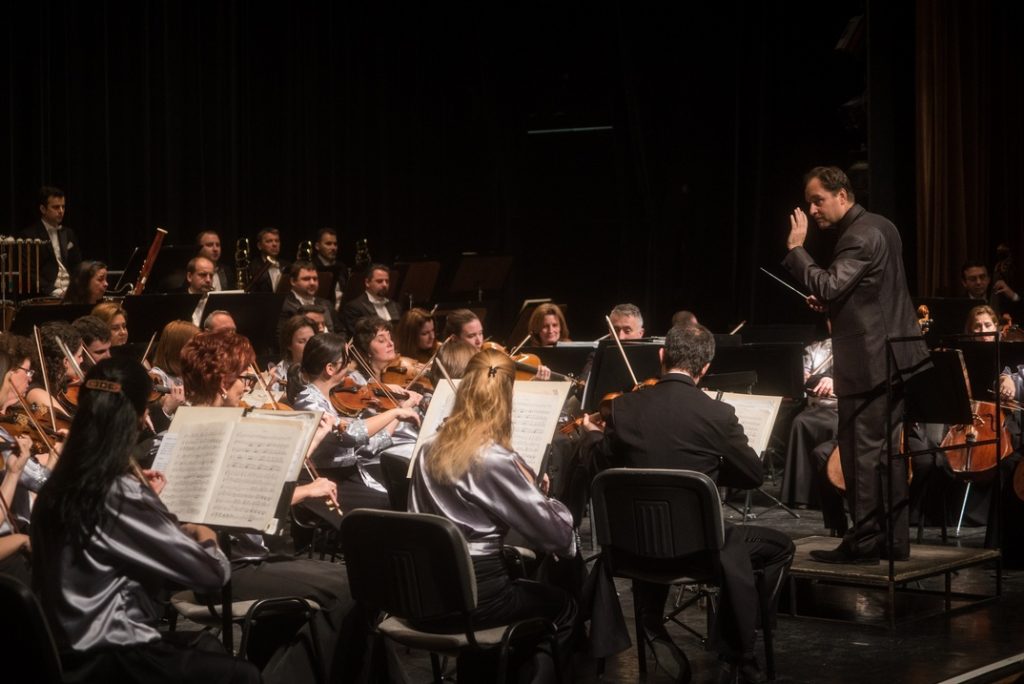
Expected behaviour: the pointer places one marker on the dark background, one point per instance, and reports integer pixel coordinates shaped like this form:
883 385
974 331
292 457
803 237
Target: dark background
411 124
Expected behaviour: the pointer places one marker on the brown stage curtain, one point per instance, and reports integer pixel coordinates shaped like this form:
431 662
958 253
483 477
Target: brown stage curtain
968 148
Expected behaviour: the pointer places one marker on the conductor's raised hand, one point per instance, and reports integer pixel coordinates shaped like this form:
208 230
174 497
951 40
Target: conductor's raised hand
797 229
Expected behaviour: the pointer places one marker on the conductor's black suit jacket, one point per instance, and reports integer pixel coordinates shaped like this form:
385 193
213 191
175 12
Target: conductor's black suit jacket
675 425
865 289
69 253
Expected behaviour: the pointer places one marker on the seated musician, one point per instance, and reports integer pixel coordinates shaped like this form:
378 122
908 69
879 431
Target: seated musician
374 299
116 319
57 366
982 319
373 345
415 336
267 269
466 326
329 266
348 455
675 425
88 284
22 473
295 333
304 284
208 244
684 317
104 550
219 321
454 357
803 483
547 326
469 474
166 371
315 313
95 339
627 321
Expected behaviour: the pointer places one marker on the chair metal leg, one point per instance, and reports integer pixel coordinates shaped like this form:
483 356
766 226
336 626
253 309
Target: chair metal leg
641 637
766 628
435 666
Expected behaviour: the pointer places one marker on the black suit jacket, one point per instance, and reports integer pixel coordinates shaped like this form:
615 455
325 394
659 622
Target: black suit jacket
361 307
227 276
675 425
291 307
865 288
262 283
70 253
330 275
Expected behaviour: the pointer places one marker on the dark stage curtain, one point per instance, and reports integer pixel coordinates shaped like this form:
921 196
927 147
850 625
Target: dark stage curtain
969 136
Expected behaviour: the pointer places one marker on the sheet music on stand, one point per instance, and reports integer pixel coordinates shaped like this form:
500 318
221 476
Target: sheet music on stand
535 410
227 467
756 413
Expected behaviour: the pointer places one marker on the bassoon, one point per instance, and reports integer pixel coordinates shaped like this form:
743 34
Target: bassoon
147 265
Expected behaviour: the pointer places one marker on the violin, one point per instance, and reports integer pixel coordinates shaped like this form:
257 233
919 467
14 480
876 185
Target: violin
350 399
970 462
402 371
604 409
527 365
16 422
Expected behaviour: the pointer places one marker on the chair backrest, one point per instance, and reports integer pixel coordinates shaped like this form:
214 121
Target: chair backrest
394 469
657 513
25 634
412 565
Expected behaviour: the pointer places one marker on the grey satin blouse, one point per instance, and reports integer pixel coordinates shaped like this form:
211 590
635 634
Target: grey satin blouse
493 497
110 594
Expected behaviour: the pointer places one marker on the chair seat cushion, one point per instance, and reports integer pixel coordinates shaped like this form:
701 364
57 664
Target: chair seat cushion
407 635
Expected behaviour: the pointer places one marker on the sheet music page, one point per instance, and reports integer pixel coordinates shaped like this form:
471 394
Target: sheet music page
253 474
535 410
756 413
191 468
441 404
168 443
309 420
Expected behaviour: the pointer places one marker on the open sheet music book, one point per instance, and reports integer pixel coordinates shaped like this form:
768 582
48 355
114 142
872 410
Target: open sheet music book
535 410
228 466
756 413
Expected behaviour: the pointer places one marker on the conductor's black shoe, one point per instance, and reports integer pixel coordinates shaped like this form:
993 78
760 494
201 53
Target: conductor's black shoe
843 554
670 658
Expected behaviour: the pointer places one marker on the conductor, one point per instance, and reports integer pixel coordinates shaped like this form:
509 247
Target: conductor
865 292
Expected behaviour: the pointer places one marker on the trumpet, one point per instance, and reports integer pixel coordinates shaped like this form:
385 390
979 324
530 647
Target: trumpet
241 263
362 257
305 251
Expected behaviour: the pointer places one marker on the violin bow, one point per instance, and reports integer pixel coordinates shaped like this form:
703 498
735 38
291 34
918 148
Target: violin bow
72 361
519 346
46 376
371 378
429 362
444 372
264 386
618 343
149 347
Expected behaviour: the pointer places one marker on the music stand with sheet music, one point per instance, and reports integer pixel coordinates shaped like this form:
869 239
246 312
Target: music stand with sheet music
609 373
29 315
149 313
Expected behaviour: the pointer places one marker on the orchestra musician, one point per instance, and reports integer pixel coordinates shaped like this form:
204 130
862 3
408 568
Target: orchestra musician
547 326
116 319
466 326
348 455
219 321
684 317
88 283
95 339
295 333
304 285
627 321
266 270
332 271
59 255
675 425
415 336
470 474
865 290
374 299
167 371
105 549
58 367
982 319
208 244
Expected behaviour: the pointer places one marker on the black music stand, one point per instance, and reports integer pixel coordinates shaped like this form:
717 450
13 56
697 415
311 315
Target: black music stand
149 313
740 381
779 366
948 314
168 272
29 315
567 359
609 373
478 274
257 315
417 282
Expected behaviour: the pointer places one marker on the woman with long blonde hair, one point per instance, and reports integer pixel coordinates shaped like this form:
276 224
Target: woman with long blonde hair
470 474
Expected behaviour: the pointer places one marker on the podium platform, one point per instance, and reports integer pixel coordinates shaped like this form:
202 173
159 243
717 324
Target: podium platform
868 595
